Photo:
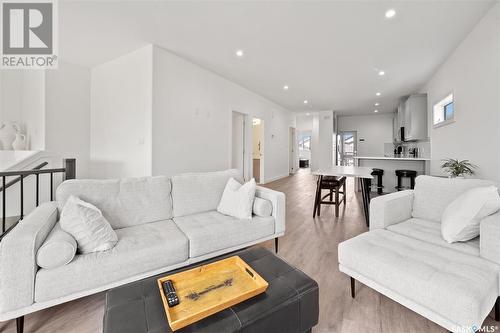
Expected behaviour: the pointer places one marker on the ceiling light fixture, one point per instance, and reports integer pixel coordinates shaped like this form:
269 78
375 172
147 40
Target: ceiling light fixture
378 94
390 13
381 73
306 101
377 104
285 87
239 53
308 114
375 111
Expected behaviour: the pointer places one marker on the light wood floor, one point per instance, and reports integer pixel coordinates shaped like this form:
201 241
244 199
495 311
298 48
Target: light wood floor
309 244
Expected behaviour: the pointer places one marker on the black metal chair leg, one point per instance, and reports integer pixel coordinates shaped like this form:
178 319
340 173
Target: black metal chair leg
20 324
353 287
276 244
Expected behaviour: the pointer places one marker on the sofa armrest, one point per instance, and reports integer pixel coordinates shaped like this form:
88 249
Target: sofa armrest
489 238
18 256
278 201
390 209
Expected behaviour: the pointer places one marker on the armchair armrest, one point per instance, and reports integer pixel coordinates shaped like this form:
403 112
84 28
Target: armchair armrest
278 201
18 257
390 209
489 238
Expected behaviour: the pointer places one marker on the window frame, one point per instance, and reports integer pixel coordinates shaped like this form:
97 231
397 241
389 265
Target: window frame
440 103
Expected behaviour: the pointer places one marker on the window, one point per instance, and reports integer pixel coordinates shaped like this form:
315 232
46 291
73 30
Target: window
305 143
444 111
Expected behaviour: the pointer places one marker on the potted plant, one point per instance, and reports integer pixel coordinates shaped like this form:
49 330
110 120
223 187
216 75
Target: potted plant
458 169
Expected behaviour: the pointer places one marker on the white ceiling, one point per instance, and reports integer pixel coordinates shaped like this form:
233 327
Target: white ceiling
327 52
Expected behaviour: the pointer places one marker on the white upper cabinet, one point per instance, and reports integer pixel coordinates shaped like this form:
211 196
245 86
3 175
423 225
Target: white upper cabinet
412 115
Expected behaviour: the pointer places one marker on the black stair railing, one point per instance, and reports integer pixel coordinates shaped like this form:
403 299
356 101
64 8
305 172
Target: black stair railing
68 170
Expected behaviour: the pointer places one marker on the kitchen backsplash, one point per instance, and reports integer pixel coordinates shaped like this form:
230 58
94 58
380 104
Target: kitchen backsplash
424 148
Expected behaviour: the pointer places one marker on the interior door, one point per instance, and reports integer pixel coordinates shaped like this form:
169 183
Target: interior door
347 147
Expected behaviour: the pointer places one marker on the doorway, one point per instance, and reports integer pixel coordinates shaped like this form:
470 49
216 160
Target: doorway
347 147
238 142
258 149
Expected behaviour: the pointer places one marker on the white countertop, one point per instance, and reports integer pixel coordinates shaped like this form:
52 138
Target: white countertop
392 158
346 171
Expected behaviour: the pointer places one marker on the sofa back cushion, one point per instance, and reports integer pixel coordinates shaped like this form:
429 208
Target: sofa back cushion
434 194
123 202
199 192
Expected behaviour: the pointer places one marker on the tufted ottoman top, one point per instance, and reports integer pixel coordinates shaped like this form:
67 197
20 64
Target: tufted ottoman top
290 304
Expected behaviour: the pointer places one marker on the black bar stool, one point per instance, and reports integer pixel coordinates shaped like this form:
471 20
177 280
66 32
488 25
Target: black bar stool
405 174
378 173
333 185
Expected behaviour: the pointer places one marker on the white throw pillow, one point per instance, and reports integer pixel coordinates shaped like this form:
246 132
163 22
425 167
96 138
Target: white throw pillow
85 223
237 199
461 219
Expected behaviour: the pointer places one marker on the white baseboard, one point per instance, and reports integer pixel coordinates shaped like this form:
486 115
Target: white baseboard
275 178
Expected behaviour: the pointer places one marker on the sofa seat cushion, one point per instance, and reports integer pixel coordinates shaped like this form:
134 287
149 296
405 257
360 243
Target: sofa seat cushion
430 232
212 231
458 287
139 250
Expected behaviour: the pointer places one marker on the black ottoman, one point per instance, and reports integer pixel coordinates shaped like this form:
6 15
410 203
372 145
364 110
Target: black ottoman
289 305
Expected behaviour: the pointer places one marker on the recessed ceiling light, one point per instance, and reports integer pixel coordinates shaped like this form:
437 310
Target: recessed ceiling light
285 87
308 114
390 13
239 53
306 101
378 94
375 111
381 73
377 104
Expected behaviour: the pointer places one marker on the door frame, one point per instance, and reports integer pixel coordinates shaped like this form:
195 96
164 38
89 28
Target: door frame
341 144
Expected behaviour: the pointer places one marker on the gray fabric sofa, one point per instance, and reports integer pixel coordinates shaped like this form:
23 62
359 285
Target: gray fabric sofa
404 257
162 224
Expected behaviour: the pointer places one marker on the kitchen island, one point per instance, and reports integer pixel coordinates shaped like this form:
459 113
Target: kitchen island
390 164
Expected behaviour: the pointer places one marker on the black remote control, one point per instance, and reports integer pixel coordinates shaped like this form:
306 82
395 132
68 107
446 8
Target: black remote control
170 294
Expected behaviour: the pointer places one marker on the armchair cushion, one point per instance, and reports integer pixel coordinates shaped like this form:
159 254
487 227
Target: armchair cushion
434 194
390 209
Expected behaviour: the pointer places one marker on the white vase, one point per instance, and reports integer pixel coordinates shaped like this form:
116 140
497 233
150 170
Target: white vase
8 133
20 142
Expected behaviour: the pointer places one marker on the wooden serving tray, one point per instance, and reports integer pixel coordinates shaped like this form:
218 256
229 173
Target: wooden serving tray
210 288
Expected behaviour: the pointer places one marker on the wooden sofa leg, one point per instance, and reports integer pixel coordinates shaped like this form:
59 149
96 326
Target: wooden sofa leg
20 324
353 288
497 309
276 244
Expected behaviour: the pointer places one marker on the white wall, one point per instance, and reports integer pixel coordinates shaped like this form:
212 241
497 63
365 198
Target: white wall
304 123
374 129
120 117
322 140
23 102
472 72
192 120
67 120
